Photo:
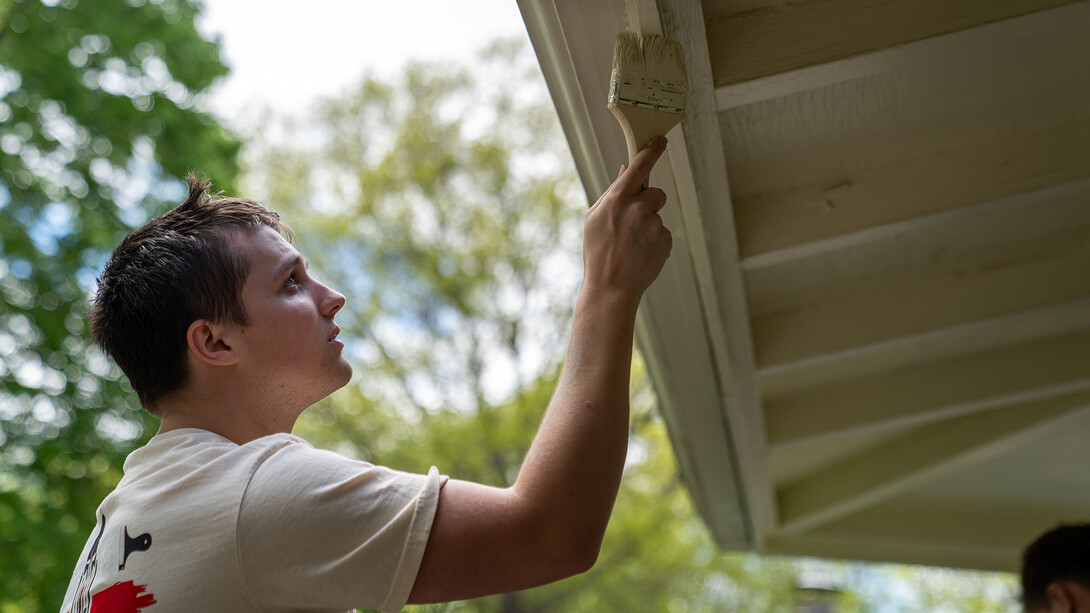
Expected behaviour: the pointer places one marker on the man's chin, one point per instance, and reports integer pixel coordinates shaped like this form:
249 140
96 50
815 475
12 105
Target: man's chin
347 375
339 376
344 372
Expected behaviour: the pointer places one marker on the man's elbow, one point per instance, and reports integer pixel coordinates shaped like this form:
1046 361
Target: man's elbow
575 554
586 557
566 544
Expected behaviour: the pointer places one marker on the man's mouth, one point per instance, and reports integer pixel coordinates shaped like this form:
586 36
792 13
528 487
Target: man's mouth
336 331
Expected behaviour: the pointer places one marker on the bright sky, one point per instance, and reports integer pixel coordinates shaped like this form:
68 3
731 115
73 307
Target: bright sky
285 53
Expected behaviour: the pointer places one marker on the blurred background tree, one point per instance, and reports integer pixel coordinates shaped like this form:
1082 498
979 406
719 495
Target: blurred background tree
98 118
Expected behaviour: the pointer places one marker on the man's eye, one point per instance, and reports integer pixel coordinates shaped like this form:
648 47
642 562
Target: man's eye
290 282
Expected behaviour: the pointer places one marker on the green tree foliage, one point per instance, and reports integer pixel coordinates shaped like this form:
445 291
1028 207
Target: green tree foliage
99 115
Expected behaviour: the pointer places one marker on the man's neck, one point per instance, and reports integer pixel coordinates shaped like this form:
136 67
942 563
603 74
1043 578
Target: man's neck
227 415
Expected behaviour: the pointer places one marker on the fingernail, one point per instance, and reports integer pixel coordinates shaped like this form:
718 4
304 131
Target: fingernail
659 143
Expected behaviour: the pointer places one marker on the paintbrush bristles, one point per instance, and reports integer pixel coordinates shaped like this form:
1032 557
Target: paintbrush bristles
651 54
648 72
647 88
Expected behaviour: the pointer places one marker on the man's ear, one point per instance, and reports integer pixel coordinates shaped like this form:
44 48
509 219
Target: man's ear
209 343
1060 599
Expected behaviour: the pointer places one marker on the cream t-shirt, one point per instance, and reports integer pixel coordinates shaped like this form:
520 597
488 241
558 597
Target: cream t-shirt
199 523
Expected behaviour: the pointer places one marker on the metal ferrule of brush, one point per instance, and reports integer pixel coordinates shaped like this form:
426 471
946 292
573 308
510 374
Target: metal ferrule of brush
640 90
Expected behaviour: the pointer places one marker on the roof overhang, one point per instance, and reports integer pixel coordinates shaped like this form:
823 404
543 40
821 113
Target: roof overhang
872 339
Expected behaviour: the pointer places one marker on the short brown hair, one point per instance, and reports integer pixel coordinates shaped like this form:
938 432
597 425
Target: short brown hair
176 269
1061 554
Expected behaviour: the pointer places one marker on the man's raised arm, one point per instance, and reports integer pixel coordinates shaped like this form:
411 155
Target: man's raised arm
549 524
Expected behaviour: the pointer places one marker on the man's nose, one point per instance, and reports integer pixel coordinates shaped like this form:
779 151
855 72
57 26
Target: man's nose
332 301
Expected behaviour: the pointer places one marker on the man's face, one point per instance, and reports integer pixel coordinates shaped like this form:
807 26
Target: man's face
290 346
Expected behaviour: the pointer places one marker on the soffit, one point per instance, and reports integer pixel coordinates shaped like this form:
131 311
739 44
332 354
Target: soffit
875 325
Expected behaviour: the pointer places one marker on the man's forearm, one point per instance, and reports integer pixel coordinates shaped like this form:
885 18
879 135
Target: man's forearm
571 474
574 466
549 525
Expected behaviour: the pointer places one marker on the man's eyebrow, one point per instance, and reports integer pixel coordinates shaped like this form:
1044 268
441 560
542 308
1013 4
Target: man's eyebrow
290 264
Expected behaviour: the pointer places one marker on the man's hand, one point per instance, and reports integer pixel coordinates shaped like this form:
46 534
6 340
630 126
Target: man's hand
625 243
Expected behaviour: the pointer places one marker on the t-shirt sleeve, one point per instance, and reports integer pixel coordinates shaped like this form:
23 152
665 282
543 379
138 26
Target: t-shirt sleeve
318 530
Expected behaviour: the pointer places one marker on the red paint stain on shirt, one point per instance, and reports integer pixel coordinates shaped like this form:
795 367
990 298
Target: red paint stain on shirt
122 598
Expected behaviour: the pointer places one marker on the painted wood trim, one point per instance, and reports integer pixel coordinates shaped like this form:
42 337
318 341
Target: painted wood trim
984 526
681 368
789 37
919 307
919 457
796 379
869 237
706 204
914 188
916 53
934 391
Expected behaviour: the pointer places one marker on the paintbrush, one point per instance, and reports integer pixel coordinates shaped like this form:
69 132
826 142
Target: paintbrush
647 87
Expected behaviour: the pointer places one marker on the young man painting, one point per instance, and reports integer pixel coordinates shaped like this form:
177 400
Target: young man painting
226 337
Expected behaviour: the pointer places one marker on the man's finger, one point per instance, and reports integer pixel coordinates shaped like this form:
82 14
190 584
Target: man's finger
633 179
654 197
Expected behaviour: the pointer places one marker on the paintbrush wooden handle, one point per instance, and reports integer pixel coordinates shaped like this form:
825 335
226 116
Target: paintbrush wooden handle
640 125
